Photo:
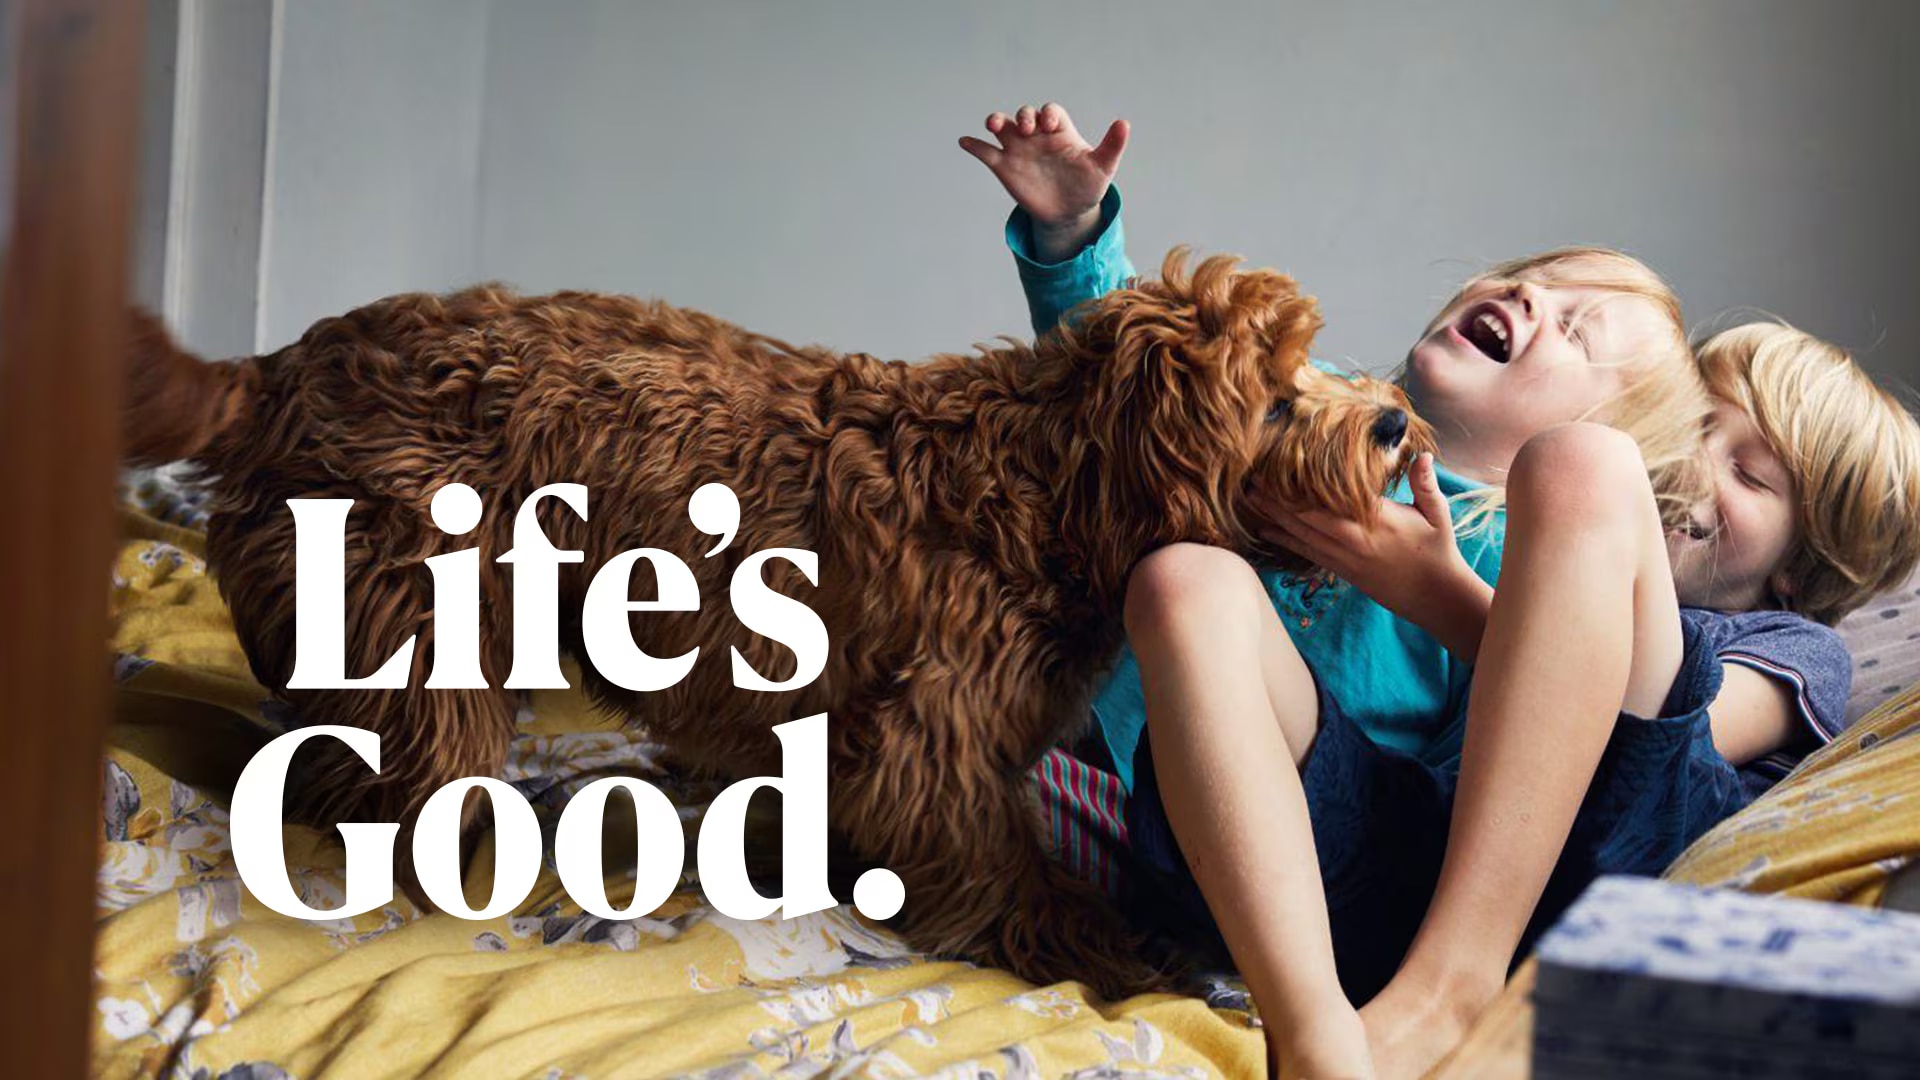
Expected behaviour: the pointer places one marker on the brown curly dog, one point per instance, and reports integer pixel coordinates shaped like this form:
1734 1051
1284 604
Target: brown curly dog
975 518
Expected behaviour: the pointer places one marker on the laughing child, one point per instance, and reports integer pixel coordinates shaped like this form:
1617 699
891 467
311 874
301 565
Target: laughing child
1626 363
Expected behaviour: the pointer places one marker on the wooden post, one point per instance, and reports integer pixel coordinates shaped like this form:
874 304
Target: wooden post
76 73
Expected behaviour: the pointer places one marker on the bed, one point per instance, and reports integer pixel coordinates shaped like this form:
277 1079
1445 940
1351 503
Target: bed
194 978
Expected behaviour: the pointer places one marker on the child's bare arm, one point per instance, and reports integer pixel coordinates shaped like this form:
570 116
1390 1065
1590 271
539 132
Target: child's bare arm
1753 715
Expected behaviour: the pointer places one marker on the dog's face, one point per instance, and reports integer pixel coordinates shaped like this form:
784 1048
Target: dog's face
1212 421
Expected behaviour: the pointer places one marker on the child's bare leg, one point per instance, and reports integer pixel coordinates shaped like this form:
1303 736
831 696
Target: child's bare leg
1584 623
1231 710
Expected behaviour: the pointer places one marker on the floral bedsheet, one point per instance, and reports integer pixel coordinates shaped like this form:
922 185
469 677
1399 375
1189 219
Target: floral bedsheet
197 979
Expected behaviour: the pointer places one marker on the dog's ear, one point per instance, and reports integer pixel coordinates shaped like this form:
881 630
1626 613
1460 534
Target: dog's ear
1252 307
1182 372
1250 328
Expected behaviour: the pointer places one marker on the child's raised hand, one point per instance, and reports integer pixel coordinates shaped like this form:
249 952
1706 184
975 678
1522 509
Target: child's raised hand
1407 560
1050 170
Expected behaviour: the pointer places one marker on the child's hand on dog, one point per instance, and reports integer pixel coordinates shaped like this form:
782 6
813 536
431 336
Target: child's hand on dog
1052 173
1407 560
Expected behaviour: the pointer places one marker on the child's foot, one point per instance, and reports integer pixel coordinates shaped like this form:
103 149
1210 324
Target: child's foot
1329 1047
1412 1027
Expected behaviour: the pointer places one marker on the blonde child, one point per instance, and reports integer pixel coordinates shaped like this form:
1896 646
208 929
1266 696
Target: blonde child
1634 685
1616 350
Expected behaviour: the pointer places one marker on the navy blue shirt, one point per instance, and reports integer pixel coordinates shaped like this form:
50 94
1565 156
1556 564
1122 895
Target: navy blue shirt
1808 658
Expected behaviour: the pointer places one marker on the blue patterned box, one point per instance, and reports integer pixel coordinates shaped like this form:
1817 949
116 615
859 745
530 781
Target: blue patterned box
1654 979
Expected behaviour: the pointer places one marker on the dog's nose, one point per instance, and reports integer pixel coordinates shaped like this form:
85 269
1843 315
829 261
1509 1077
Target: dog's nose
1389 428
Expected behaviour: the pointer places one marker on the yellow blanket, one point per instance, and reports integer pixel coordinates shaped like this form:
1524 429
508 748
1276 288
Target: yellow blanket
196 979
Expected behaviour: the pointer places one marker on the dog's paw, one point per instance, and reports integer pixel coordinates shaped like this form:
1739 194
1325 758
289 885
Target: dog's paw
1072 934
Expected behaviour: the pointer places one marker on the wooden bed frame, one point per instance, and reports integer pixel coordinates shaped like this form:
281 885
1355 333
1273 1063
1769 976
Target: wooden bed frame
72 74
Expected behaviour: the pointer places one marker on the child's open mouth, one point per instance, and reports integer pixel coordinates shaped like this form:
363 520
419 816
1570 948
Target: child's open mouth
1486 329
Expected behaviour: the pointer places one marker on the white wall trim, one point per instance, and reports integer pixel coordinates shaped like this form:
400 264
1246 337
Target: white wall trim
185 84
216 175
276 51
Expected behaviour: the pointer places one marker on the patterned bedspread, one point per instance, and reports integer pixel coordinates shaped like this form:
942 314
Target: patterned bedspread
195 978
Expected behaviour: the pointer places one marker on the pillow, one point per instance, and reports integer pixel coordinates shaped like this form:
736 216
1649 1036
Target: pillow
1846 819
1884 637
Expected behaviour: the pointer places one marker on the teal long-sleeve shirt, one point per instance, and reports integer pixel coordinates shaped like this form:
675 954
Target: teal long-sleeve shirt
1389 676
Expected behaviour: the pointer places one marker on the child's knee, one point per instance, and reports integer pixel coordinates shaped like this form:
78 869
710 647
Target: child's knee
1176 584
1580 473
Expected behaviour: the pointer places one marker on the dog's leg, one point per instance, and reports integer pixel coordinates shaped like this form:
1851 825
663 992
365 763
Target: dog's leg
966 844
427 737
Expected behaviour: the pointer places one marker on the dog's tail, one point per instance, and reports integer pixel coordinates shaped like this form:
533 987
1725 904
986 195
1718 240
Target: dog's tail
178 405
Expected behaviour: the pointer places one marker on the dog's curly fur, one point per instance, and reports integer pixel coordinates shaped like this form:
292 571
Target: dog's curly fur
975 519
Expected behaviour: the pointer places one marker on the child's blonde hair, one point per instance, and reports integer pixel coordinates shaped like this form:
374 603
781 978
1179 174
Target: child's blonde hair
1665 404
1852 450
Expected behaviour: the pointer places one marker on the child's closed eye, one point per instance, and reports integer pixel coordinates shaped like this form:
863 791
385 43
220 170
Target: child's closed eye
1573 327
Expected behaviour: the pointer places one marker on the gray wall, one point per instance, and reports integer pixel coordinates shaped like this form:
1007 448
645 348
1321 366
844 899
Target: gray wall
376 138
792 166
